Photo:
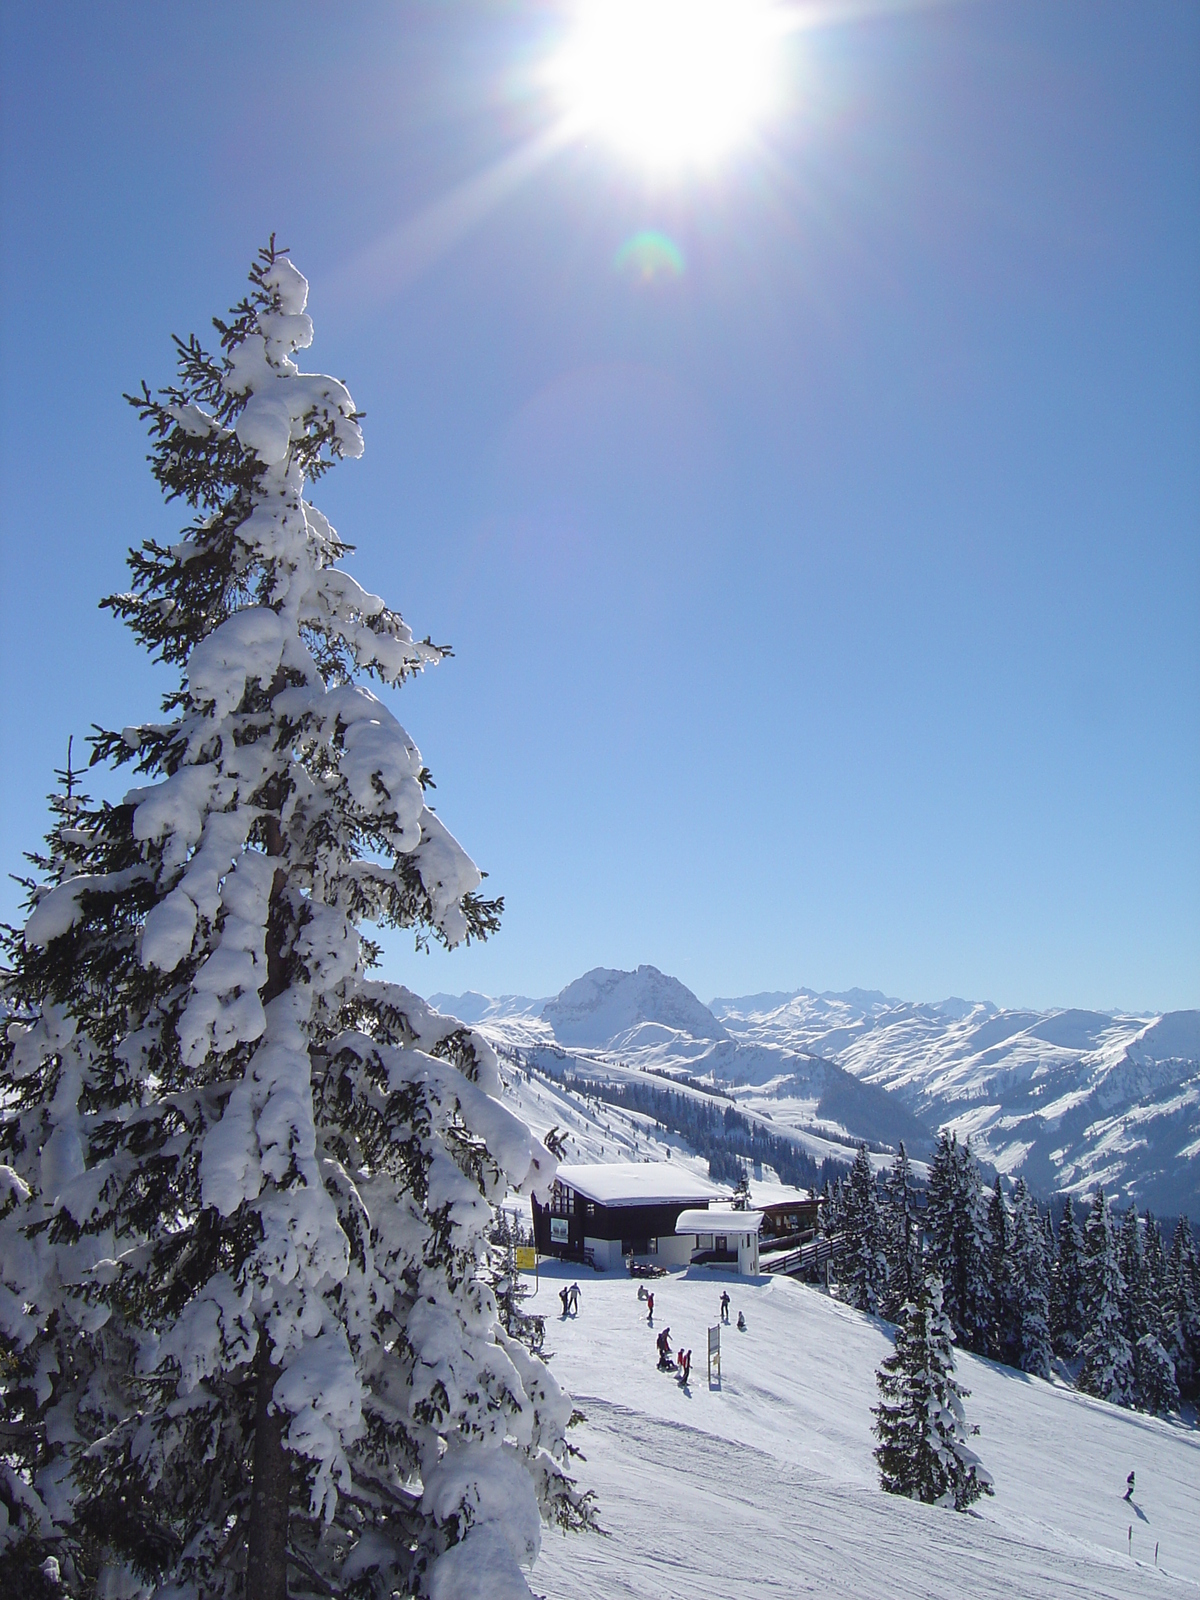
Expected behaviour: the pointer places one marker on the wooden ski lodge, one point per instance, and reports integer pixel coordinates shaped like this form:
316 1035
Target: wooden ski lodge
603 1213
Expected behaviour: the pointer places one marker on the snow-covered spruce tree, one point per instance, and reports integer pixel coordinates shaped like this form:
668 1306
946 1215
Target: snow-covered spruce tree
59 1351
1031 1277
862 1265
1181 1302
1066 1289
957 1239
1004 1311
1107 1361
1142 1270
902 1237
1133 1275
250 1185
920 1423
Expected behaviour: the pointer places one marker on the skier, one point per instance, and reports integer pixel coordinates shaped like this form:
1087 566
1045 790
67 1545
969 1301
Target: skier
564 1295
649 1308
687 1368
573 1297
724 1305
664 1350
741 1322
1129 1487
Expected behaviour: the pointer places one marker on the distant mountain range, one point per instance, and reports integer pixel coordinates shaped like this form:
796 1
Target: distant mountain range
1069 1100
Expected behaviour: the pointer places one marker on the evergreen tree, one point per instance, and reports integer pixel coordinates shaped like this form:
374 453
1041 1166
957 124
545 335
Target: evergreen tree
1107 1360
956 1236
1031 1279
1066 1291
1134 1302
1181 1302
862 1265
901 1237
1004 1333
1146 1325
244 1230
920 1423
1154 1268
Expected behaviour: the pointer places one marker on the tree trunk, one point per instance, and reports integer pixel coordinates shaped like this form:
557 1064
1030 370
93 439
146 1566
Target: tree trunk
266 1564
270 1495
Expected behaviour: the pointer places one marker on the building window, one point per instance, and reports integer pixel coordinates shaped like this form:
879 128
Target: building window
560 1200
704 1241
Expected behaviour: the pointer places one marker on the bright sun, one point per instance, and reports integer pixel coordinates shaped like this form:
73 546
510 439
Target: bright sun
672 82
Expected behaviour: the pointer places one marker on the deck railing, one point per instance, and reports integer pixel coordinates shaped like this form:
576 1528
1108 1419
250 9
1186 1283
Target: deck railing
808 1258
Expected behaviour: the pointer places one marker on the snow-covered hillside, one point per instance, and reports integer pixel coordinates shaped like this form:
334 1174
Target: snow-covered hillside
766 1488
611 1023
1067 1099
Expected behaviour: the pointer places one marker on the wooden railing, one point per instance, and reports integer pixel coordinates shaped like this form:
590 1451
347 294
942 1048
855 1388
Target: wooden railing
808 1257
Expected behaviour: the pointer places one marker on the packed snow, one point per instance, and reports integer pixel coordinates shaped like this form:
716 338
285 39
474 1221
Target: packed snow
765 1485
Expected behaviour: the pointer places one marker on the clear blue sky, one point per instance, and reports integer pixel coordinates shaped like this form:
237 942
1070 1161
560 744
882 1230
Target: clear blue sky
827 614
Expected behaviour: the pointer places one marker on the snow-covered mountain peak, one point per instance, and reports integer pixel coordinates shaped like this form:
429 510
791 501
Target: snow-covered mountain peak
607 1008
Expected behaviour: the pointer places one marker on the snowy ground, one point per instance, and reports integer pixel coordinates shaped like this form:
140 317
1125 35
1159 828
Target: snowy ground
766 1487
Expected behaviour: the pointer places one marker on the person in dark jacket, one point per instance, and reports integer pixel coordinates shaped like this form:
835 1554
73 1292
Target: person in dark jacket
724 1305
565 1296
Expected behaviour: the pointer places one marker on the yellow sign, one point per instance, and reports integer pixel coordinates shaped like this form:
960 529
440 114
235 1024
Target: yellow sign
526 1258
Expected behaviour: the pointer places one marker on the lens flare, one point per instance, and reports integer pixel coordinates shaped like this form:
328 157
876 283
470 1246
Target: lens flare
649 257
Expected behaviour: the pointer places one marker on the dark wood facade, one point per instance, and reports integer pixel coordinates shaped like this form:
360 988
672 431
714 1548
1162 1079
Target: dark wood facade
560 1227
788 1224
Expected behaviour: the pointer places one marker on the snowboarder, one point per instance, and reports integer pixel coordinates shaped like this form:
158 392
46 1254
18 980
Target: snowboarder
641 1291
741 1322
565 1296
687 1368
664 1350
724 1305
1129 1487
649 1308
573 1298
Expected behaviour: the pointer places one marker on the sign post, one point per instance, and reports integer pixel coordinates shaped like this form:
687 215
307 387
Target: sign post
527 1261
714 1354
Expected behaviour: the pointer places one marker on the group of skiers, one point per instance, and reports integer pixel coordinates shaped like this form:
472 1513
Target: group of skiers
570 1300
682 1363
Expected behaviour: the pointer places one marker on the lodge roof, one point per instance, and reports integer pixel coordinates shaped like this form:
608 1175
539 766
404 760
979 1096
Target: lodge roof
777 1196
638 1183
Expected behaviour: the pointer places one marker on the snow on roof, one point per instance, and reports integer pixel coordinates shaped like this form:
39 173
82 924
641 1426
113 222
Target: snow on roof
638 1183
719 1219
777 1194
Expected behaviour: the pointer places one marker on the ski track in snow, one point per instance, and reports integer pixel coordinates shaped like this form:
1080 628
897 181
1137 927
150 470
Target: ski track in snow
767 1487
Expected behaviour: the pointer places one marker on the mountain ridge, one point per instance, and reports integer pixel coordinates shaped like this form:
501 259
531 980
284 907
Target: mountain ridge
1070 1099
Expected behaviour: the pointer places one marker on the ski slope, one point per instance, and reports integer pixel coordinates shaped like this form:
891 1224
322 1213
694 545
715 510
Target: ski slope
766 1486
